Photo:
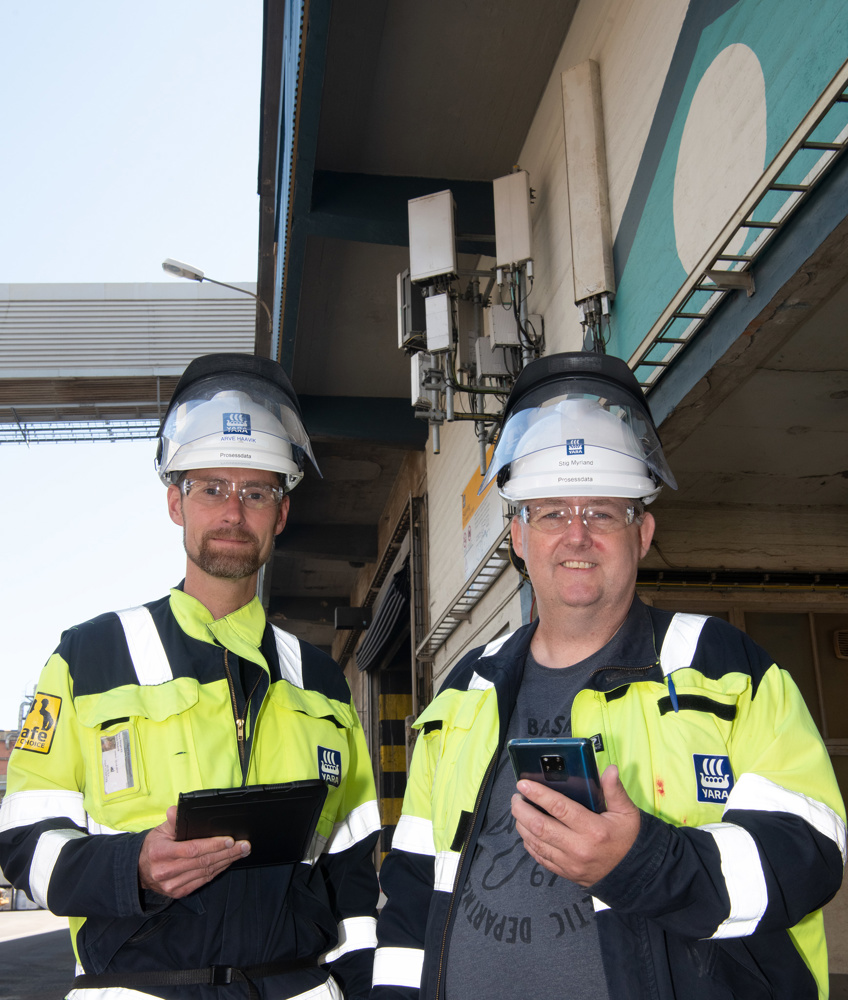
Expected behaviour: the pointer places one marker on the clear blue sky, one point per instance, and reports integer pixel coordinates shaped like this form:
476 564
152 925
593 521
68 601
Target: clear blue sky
130 134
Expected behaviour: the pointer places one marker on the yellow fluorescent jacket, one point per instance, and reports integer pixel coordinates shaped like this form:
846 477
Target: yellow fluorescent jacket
138 706
713 848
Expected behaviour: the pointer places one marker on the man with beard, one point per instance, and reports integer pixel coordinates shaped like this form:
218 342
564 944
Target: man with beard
197 691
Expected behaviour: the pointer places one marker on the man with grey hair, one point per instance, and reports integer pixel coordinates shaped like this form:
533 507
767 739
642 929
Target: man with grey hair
723 832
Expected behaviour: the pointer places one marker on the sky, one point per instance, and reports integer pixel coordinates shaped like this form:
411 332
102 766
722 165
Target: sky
130 133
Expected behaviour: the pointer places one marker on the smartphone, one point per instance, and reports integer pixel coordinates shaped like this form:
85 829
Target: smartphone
567 765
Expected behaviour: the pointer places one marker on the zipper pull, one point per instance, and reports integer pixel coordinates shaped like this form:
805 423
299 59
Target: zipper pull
240 730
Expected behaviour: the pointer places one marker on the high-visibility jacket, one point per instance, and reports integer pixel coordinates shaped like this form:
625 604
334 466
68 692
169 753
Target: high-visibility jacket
137 706
742 837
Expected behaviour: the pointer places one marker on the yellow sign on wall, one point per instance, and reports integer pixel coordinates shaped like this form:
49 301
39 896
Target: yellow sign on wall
482 519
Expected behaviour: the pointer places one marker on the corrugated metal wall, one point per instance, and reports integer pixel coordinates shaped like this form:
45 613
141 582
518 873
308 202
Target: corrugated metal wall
97 330
110 351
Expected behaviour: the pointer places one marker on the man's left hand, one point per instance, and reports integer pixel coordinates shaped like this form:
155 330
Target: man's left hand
573 841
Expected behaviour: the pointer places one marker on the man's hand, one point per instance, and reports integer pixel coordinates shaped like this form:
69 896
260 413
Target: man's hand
175 868
573 841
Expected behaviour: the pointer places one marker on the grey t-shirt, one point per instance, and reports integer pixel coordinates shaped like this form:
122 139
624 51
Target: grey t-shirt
521 931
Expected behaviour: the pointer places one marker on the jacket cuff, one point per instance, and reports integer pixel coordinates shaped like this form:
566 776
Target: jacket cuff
621 887
132 899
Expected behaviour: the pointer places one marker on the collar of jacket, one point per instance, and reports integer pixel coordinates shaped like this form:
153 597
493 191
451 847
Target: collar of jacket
636 658
240 631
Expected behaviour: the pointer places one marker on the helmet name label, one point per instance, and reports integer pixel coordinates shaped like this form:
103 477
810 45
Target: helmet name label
237 423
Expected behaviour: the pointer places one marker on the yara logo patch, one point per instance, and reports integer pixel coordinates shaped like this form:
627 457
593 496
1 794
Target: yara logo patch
575 446
330 765
237 423
714 777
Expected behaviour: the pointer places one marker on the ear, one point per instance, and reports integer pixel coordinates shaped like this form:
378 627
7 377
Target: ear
646 534
175 505
515 528
282 515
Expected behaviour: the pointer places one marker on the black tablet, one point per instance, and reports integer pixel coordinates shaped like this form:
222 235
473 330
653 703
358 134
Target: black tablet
278 820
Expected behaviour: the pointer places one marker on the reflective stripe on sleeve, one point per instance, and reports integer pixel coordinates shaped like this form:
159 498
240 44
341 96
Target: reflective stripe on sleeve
753 791
743 879
44 860
355 933
415 835
109 993
96 828
398 967
324 991
288 653
356 826
150 661
447 863
37 805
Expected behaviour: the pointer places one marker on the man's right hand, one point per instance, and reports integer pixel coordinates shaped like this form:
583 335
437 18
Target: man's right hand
175 868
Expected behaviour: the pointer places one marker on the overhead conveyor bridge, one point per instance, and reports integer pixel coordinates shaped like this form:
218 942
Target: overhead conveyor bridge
90 362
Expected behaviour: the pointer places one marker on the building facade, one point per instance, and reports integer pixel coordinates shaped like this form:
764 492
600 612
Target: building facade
688 213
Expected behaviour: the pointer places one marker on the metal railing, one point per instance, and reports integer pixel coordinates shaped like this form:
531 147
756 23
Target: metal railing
459 609
800 166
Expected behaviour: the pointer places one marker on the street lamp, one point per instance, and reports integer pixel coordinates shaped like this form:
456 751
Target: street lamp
182 270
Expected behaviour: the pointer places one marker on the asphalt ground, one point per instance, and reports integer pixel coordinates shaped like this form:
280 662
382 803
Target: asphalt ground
36 957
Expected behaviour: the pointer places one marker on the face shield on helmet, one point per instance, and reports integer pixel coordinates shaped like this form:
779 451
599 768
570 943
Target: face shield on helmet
569 431
233 418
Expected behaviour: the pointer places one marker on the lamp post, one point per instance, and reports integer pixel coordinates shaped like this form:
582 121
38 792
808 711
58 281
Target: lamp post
182 270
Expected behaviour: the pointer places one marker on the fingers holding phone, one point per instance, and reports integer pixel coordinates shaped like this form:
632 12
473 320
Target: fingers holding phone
570 839
567 765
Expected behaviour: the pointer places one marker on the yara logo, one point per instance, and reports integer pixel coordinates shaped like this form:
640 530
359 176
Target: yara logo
330 765
237 423
714 777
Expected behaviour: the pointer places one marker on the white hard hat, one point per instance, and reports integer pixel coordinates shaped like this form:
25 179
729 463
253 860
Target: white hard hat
577 448
233 411
578 424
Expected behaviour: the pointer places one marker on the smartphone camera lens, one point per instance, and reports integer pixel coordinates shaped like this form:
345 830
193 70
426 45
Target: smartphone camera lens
553 767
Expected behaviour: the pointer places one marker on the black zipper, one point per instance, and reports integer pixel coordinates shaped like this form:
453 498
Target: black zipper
471 826
240 722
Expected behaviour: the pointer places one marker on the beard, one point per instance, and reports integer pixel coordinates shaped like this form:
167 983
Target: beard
227 565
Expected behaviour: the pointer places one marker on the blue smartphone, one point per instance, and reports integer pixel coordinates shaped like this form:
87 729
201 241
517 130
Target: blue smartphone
567 765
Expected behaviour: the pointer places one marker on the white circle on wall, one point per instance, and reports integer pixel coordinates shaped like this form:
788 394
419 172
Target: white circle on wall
722 152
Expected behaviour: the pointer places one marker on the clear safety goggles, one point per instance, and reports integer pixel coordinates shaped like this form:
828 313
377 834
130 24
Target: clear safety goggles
602 517
216 492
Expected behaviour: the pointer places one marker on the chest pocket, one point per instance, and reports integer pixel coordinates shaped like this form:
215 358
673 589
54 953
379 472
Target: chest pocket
459 734
693 772
125 733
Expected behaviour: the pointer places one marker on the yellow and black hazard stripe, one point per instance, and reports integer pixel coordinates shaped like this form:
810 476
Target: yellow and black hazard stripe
395 706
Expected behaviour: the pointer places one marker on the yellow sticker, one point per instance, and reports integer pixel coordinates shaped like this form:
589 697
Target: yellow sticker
40 725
